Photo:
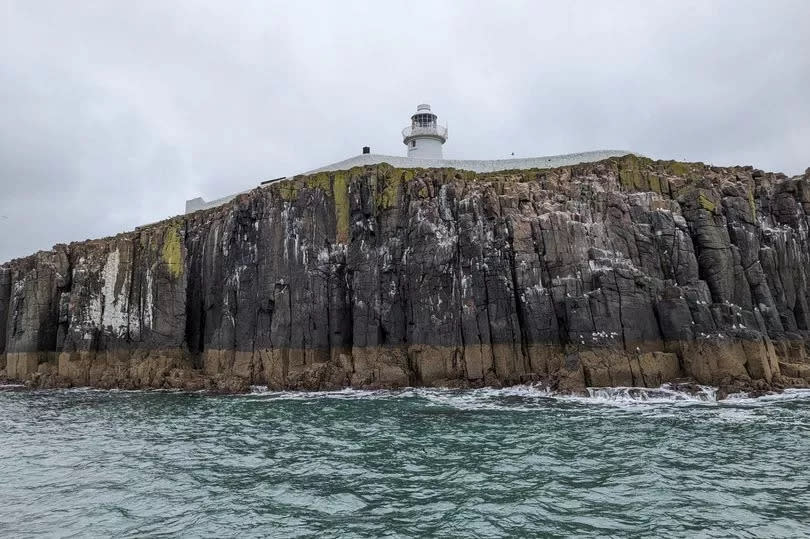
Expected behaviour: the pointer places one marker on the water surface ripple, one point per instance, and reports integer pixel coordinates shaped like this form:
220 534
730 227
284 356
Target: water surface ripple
514 462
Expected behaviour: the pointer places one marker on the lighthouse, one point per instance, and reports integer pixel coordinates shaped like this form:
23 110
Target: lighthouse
424 137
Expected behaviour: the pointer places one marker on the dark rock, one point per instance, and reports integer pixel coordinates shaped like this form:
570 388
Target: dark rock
622 272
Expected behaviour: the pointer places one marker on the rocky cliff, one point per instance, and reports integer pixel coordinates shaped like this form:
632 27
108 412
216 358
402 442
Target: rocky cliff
617 273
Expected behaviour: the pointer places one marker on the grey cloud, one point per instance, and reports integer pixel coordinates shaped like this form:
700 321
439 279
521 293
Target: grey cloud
114 113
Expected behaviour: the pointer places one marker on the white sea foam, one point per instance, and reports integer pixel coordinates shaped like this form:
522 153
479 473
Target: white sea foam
346 393
665 393
532 397
786 395
514 398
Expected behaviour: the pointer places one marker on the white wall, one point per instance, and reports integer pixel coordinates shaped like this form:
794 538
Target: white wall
426 148
481 166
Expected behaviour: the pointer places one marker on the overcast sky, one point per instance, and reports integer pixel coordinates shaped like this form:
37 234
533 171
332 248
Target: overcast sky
113 113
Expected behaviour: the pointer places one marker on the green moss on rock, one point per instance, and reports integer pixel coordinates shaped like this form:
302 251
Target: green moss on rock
340 191
288 190
384 170
678 169
655 183
631 173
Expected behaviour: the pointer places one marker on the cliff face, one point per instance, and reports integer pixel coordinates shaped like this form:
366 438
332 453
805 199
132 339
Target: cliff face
617 273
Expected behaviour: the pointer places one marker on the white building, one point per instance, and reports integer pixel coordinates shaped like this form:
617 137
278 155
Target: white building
425 139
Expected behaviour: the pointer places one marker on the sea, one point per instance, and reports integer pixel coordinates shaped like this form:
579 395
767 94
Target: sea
516 462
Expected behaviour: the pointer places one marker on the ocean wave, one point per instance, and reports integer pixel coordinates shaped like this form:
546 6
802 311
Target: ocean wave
409 462
532 397
785 395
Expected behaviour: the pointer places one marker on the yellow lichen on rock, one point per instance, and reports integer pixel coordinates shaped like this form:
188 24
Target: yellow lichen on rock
173 250
389 197
752 203
706 204
318 181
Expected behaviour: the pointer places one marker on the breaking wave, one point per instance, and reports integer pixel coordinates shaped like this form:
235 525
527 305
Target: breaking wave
532 397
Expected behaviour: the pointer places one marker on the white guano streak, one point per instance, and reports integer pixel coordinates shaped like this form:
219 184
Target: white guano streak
116 307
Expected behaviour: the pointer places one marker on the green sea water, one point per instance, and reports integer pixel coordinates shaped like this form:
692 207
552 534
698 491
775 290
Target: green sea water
413 463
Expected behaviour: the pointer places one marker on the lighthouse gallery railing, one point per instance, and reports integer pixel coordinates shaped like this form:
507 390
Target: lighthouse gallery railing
434 130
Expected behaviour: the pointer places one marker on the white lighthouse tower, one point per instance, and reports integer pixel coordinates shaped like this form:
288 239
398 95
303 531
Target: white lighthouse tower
424 137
